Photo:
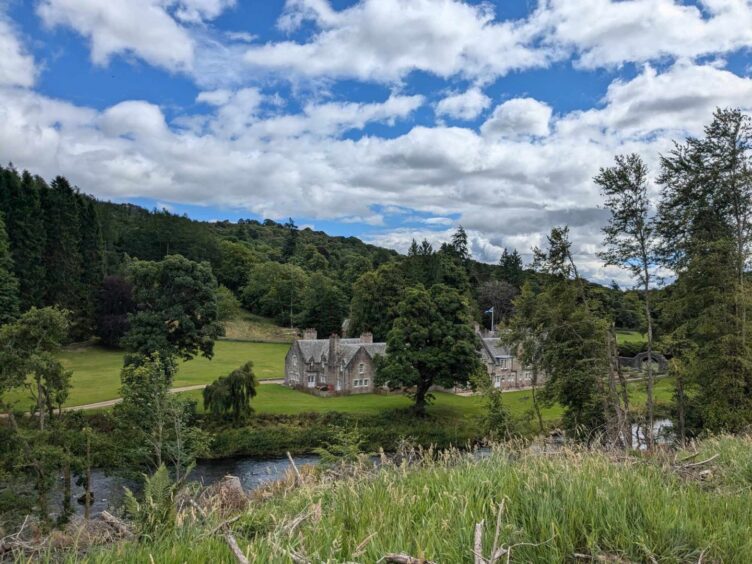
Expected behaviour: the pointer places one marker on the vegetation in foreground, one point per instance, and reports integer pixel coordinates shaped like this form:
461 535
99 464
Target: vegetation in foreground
564 505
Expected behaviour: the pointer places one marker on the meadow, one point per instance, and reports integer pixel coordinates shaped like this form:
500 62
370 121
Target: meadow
96 370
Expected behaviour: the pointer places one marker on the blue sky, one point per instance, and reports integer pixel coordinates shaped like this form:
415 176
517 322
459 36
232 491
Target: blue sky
384 119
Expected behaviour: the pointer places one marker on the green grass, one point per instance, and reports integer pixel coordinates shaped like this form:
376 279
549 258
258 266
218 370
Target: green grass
96 371
624 336
251 327
607 508
275 399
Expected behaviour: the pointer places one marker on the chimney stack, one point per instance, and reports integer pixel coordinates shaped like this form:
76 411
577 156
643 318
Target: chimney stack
366 338
310 335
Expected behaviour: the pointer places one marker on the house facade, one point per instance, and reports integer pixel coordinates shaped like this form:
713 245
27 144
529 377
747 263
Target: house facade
332 366
503 367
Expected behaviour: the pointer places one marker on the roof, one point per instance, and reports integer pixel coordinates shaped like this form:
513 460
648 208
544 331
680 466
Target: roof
494 348
315 349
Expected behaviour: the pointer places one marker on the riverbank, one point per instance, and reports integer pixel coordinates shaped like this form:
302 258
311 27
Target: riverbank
528 504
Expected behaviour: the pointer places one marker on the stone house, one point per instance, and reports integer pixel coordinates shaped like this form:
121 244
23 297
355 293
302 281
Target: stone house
332 366
504 369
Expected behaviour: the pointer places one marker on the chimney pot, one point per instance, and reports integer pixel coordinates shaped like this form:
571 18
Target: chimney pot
310 334
366 338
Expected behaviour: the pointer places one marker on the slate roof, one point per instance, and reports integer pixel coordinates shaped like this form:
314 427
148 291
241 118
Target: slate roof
318 348
494 348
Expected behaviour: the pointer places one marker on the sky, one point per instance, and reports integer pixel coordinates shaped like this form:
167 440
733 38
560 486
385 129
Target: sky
384 119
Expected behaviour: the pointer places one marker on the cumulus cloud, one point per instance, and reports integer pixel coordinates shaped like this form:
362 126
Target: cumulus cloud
465 106
519 117
384 40
144 28
17 67
612 32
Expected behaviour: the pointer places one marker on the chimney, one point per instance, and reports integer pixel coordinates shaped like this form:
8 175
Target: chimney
310 335
366 338
333 349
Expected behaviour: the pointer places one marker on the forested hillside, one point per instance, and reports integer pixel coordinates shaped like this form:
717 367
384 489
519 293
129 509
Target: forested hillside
65 248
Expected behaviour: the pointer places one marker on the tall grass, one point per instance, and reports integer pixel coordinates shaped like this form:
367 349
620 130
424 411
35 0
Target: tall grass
555 506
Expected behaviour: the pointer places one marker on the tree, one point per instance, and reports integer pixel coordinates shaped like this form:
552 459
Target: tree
510 268
432 342
228 306
236 262
231 395
9 298
498 295
460 246
114 304
291 240
27 349
26 233
325 305
376 297
62 256
557 333
176 309
276 290
705 222
631 241
92 268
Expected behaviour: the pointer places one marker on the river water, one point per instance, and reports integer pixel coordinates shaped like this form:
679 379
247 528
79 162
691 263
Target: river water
108 490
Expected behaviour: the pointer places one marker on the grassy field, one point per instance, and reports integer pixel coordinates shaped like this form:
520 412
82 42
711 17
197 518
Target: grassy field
250 327
96 371
604 507
623 336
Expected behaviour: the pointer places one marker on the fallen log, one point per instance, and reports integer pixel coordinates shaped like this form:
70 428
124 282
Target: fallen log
239 556
403 559
116 524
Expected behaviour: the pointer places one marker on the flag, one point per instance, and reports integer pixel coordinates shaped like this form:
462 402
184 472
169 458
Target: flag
489 310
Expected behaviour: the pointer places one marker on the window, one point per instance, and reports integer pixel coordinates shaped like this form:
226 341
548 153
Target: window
497 381
294 361
311 378
502 362
361 368
361 383
342 367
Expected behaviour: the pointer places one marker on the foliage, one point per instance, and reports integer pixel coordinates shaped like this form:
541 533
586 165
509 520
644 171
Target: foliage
114 304
232 394
431 343
9 296
347 446
176 308
324 306
228 306
510 268
376 297
498 295
276 290
236 262
154 515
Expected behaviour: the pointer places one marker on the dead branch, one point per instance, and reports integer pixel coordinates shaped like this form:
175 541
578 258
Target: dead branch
695 464
298 477
239 556
403 559
478 544
116 524
222 525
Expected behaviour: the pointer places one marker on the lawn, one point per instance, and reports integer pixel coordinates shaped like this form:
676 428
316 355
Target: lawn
624 336
96 371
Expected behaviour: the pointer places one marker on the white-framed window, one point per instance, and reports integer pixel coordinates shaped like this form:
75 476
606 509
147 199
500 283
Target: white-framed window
497 380
361 382
311 378
295 362
502 362
361 368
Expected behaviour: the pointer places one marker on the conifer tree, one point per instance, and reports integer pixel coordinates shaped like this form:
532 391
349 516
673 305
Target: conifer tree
9 301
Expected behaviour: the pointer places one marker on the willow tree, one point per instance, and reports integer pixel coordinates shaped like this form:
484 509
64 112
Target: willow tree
231 394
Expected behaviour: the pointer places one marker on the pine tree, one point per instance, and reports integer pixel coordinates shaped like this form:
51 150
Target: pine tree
25 227
9 301
62 254
510 268
92 257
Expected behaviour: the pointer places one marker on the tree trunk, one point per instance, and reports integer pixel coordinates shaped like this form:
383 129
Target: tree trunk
650 398
87 481
420 397
40 403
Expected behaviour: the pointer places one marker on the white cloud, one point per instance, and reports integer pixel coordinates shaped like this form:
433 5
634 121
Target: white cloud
140 27
384 40
609 32
519 117
17 67
466 105
196 11
507 190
